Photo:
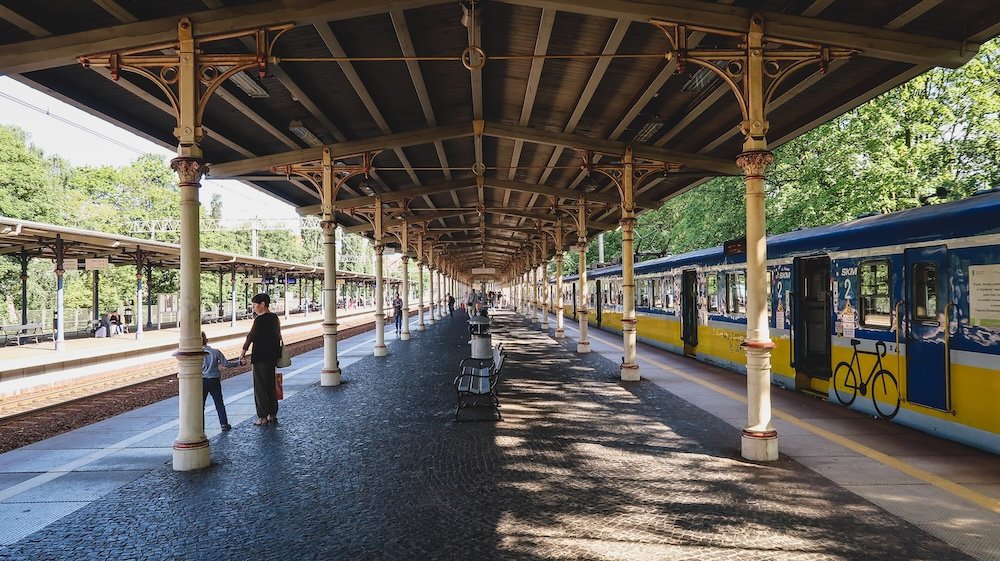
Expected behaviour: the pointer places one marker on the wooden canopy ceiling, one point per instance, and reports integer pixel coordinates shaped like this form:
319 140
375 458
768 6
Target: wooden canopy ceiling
483 161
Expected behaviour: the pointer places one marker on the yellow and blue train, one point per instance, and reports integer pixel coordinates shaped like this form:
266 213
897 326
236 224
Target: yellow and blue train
895 315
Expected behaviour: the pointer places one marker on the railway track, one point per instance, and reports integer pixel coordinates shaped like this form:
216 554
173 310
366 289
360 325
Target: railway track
41 414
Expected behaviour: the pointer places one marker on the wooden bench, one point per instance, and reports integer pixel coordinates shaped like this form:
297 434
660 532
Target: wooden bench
476 385
21 334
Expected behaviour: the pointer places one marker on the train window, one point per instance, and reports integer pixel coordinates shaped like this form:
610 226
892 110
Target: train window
875 297
712 292
925 291
736 293
769 294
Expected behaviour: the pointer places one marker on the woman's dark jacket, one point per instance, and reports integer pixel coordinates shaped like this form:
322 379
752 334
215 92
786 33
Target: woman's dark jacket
265 336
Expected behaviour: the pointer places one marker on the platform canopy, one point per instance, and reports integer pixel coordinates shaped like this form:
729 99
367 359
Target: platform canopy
473 120
43 241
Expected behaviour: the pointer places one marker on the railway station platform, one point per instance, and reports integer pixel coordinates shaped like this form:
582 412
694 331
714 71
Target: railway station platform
33 365
583 466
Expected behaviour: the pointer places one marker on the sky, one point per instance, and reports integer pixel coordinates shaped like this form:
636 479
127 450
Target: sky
96 142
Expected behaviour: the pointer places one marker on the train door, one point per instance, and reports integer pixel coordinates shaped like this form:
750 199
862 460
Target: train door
598 302
689 310
811 313
573 297
927 361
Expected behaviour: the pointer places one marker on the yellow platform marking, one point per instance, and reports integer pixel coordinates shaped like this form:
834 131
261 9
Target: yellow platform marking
923 475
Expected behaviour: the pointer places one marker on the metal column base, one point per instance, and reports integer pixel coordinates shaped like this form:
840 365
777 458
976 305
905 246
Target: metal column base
759 446
583 347
630 372
404 336
560 334
329 377
191 455
381 350
421 327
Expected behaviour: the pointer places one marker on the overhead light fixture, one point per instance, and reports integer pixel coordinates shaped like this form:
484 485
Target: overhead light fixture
305 135
702 78
649 129
366 187
249 86
591 185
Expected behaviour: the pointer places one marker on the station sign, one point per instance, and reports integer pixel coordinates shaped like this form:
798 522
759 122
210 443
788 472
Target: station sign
735 247
253 280
291 280
71 264
96 264
484 271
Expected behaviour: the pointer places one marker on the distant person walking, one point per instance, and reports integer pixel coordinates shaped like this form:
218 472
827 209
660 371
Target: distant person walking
451 305
265 335
211 379
397 309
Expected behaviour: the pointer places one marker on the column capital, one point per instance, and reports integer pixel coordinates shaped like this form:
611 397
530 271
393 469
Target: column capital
628 222
189 170
328 226
755 162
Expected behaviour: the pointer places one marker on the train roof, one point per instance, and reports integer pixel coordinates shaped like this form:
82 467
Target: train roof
975 216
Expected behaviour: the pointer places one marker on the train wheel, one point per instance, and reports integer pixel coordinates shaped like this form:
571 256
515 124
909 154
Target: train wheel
885 394
845 383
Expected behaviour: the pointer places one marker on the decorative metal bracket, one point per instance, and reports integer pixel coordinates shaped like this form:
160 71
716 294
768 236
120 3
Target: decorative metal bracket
773 57
161 63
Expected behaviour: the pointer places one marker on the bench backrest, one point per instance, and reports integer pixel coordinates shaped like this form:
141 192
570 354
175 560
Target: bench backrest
24 327
475 380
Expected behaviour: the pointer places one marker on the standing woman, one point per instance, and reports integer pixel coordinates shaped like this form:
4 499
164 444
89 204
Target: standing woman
266 338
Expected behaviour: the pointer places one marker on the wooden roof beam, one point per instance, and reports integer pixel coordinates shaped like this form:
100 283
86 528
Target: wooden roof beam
871 41
236 168
62 50
579 142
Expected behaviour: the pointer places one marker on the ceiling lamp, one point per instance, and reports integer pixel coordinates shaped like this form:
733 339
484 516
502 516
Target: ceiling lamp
305 135
249 86
649 129
367 187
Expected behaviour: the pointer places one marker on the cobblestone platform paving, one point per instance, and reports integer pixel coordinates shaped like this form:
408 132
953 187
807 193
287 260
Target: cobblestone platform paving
583 467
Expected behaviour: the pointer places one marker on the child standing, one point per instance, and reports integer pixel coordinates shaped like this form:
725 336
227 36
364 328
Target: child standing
211 379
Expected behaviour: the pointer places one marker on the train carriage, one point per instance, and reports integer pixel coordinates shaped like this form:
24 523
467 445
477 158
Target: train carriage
895 315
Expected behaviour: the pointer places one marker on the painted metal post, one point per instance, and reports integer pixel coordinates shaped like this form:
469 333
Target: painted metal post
420 291
60 296
545 283
232 295
560 304
24 287
284 297
380 348
629 367
583 345
190 449
330 375
759 439
430 285
404 239
138 295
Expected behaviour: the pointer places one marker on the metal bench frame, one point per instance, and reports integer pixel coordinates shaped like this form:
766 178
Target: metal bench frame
19 334
476 386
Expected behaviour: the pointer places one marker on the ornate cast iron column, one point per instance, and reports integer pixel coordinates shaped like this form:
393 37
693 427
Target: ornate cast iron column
420 283
560 304
753 72
583 345
430 284
404 241
60 311
380 348
188 75
545 283
629 368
